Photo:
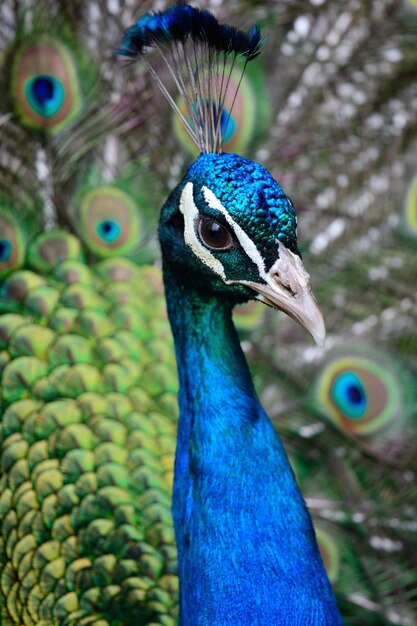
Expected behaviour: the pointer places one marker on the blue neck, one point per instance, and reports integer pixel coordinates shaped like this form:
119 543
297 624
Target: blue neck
246 548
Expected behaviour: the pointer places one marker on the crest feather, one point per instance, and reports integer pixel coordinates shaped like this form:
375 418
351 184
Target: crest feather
200 55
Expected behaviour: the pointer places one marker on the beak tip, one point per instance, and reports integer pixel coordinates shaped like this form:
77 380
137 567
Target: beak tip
319 330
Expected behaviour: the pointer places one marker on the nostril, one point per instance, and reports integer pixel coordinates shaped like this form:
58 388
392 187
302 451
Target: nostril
289 289
284 284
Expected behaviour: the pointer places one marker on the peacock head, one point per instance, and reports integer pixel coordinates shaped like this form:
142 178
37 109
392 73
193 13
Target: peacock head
228 230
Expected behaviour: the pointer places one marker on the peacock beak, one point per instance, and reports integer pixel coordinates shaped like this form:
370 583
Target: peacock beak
287 287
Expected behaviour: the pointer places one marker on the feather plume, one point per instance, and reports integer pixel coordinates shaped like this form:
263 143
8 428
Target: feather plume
200 55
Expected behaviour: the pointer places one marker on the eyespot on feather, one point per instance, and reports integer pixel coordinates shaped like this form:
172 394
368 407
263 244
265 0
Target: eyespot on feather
362 394
108 221
45 85
12 244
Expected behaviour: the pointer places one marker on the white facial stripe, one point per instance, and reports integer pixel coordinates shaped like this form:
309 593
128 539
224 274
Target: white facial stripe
245 241
287 270
190 212
284 269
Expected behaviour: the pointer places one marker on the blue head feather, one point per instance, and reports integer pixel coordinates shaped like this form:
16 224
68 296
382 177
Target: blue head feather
251 196
179 23
136 38
184 26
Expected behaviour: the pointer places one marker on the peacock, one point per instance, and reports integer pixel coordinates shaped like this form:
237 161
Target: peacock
88 375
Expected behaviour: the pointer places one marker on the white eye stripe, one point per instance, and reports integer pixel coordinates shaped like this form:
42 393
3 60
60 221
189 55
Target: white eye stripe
287 269
189 210
245 241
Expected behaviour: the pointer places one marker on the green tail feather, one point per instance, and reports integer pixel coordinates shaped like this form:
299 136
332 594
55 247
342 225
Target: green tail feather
45 85
370 397
12 244
87 454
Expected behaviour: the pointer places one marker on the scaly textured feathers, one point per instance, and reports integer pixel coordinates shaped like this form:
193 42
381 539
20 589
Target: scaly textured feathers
88 436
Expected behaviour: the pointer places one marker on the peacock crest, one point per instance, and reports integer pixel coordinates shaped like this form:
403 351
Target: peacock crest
203 58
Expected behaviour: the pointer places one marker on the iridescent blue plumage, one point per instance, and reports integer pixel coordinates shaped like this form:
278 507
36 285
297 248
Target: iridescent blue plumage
5 250
247 554
200 55
252 195
180 22
349 394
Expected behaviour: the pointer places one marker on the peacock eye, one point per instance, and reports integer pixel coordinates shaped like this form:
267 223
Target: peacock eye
214 235
46 94
349 395
109 230
5 250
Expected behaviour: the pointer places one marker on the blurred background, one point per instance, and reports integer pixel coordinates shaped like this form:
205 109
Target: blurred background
330 108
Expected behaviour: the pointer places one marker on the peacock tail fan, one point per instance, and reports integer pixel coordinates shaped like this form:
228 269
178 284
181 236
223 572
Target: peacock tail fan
109 221
46 81
45 85
200 55
53 84
88 403
57 102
